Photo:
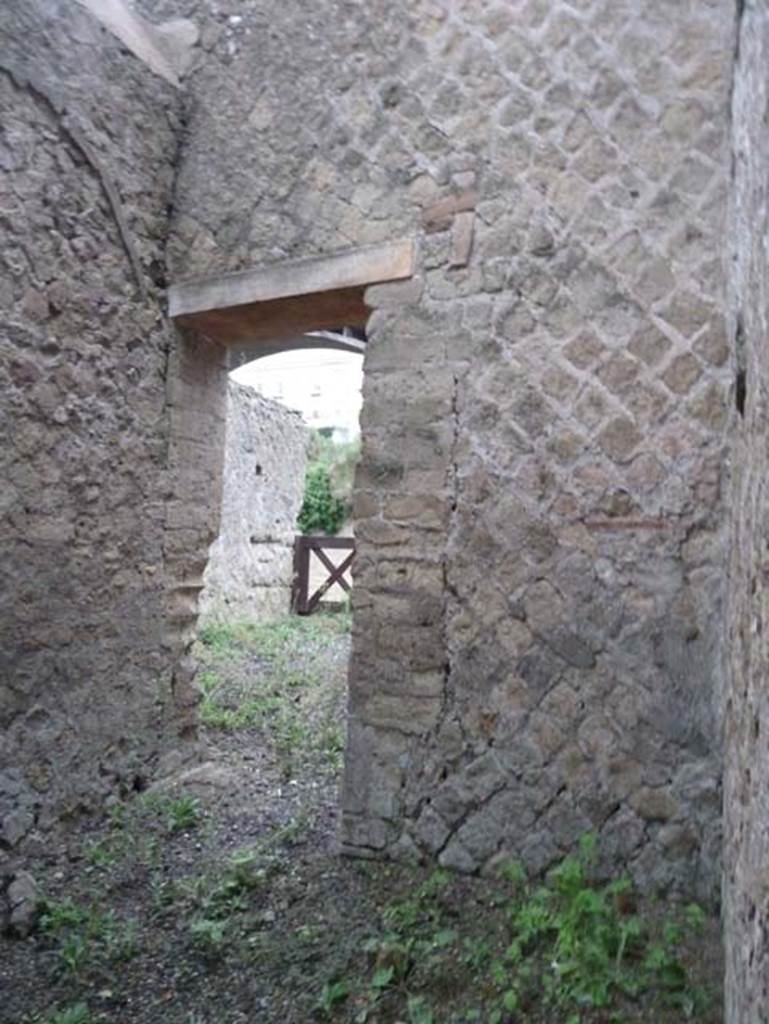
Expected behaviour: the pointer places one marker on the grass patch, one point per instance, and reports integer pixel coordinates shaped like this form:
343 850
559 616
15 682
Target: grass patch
292 636
137 829
278 689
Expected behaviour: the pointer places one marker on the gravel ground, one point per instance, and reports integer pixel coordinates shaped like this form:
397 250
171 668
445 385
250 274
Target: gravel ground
218 896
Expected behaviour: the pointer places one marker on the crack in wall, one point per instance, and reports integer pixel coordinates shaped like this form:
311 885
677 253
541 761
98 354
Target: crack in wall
450 591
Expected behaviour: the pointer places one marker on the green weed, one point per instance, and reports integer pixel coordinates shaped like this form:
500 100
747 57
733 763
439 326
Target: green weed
77 1014
100 854
219 894
418 1011
218 636
85 934
118 937
183 813
569 947
73 952
572 945
58 915
136 827
208 934
334 992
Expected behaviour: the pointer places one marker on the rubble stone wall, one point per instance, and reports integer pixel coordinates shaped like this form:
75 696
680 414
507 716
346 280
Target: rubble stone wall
541 528
539 510
250 565
87 154
746 799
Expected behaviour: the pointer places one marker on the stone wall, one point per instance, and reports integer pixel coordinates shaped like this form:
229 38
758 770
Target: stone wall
87 153
539 516
538 601
746 803
250 565
544 654
539 501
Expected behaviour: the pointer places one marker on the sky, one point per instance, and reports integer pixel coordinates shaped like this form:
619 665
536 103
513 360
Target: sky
322 384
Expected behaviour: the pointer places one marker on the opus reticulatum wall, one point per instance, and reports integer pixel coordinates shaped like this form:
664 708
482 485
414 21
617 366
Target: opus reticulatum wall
538 594
538 590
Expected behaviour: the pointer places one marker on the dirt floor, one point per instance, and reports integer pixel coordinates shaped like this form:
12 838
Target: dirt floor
220 898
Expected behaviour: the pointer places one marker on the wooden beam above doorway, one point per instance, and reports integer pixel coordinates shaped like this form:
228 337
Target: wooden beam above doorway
286 299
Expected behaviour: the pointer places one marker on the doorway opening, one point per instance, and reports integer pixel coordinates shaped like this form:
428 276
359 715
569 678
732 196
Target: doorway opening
228 322
286 537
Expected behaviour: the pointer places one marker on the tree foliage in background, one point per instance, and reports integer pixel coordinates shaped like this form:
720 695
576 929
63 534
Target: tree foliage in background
320 510
328 484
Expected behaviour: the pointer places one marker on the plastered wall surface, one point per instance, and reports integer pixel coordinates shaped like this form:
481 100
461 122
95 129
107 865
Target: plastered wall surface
250 566
87 153
746 798
539 508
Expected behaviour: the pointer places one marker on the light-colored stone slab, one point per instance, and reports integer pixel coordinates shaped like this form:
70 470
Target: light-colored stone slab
462 238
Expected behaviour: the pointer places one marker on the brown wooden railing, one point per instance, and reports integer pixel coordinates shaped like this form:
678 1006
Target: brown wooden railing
303 602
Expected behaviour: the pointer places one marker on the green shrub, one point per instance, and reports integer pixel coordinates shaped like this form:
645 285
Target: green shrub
328 484
321 510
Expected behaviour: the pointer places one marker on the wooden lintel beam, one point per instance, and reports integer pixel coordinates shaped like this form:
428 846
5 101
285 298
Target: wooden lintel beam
302 279
280 318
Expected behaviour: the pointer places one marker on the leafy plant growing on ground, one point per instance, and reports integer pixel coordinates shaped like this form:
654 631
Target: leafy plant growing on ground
183 813
77 1014
208 934
333 992
100 854
581 945
570 951
85 934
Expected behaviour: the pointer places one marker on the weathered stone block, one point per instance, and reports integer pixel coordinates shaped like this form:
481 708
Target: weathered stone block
15 826
24 900
682 373
687 312
619 439
406 713
650 344
654 804
394 294
431 830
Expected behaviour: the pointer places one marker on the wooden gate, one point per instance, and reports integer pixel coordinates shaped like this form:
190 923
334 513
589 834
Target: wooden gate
303 602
